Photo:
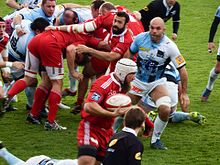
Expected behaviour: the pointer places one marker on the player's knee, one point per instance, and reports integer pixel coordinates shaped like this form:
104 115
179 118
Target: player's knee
164 106
163 101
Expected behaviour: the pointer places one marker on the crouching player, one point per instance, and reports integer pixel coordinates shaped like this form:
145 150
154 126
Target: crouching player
173 85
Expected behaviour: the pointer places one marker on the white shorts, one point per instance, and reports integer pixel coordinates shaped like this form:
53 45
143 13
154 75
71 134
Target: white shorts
35 160
54 73
142 89
173 94
32 65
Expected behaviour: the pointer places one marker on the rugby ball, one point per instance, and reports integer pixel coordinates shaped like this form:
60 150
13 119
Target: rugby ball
113 102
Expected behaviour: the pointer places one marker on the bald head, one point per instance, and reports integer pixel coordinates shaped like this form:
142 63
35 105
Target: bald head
157 28
106 8
158 21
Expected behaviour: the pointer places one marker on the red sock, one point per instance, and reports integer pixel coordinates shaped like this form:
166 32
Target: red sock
18 86
79 101
40 98
149 125
149 122
53 101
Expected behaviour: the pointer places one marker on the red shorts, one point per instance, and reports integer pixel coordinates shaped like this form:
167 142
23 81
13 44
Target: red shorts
97 137
47 50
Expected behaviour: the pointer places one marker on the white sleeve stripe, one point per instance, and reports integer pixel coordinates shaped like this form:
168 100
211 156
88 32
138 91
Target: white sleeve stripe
90 26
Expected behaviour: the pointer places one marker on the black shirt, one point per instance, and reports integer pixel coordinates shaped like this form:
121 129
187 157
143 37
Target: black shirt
157 8
124 148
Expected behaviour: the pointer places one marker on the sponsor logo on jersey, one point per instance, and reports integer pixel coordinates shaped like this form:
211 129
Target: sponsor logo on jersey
113 142
180 59
160 53
136 89
146 8
138 156
144 49
96 96
94 141
173 12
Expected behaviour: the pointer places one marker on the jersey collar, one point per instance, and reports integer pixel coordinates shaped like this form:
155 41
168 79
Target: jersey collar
126 129
167 7
119 35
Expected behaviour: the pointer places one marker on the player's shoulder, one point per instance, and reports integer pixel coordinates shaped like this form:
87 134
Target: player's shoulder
167 41
142 36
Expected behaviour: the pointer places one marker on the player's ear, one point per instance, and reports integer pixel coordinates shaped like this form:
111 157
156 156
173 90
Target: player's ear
37 32
143 125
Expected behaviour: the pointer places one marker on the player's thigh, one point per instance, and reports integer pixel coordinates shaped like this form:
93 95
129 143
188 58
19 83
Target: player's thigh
32 64
158 92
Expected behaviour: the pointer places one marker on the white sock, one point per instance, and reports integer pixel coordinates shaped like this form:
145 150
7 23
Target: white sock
10 158
159 126
72 82
212 77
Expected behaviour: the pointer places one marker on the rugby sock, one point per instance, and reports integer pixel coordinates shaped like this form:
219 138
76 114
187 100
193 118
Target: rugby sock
10 158
149 125
53 101
18 86
6 87
79 101
30 91
40 98
117 124
179 117
72 82
212 77
159 126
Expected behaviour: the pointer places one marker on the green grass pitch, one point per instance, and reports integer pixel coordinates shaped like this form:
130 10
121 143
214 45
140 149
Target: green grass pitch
188 142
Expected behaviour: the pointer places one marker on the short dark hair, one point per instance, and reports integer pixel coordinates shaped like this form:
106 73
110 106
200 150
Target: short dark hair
39 24
97 3
123 14
2 20
134 118
44 1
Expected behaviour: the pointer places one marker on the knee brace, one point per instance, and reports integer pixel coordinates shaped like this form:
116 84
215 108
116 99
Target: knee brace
165 100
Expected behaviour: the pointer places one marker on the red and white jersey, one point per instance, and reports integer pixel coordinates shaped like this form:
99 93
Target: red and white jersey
102 88
3 41
106 21
119 44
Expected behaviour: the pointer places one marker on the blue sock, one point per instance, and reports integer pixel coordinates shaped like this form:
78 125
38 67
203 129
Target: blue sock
10 158
179 117
29 91
118 122
73 85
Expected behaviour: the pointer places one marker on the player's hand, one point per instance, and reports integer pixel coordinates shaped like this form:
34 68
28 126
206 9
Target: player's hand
18 65
78 76
184 101
20 32
82 49
211 46
174 36
121 111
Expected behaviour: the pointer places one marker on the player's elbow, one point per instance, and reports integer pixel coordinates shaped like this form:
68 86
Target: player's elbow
87 107
8 3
